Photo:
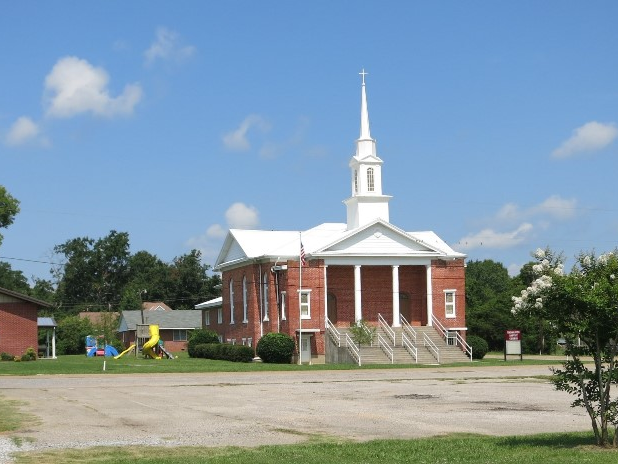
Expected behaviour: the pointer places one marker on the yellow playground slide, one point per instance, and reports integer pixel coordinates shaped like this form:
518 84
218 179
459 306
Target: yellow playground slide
147 349
131 348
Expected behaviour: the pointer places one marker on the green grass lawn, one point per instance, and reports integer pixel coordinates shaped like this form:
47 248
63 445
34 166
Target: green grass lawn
129 364
546 449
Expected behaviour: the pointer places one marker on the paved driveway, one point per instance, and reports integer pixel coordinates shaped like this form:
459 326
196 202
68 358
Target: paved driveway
270 408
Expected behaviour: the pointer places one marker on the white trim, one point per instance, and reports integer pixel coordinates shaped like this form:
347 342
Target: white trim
244 300
283 295
302 292
453 292
231 301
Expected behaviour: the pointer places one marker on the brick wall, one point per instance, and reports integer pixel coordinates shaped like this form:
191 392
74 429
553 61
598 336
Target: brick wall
449 275
18 327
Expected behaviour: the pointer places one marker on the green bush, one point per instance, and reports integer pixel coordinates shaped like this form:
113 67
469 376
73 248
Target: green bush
479 346
6 357
71 335
201 337
276 348
29 355
223 352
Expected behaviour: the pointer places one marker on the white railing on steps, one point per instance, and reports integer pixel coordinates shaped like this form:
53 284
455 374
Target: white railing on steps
446 335
387 329
431 346
408 345
405 325
339 338
388 351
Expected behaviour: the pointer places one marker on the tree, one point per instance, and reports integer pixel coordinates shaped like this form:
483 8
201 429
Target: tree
581 307
95 272
9 208
71 334
189 282
362 334
13 280
488 301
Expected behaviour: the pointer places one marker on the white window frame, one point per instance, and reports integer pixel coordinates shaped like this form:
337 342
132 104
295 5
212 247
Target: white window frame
244 300
307 304
207 317
177 335
283 316
220 315
265 295
231 301
370 180
449 306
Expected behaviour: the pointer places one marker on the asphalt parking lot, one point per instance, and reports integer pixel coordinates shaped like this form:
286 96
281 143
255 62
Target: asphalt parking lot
248 409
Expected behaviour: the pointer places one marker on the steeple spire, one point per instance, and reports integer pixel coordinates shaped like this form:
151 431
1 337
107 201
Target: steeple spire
365 133
367 202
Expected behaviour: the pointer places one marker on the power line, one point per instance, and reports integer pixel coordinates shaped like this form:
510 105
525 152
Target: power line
33 261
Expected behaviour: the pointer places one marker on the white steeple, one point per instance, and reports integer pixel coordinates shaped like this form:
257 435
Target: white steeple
367 202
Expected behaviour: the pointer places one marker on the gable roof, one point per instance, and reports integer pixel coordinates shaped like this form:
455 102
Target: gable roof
21 296
186 319
332 240
155 306
210 304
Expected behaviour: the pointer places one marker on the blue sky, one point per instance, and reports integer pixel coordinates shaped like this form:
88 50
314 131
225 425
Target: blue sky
174 121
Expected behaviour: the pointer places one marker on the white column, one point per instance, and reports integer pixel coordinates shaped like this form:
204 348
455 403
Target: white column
54 343
429 296
396 318
325 295
358 312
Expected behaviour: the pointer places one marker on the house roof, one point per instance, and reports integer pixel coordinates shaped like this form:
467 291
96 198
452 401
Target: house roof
96 317
332 240
155 306
210 304
187 319
21 296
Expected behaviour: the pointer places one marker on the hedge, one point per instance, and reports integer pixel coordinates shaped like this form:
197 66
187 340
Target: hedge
223 352
276 347
200 337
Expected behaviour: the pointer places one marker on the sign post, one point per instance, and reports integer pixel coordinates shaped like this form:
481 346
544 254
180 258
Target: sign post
512 343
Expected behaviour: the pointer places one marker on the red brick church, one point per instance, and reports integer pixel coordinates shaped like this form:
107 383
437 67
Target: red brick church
364 269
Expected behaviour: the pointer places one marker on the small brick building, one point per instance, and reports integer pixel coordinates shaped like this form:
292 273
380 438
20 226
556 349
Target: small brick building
18 322
365 269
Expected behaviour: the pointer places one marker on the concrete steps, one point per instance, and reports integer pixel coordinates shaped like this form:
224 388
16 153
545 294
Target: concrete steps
374 354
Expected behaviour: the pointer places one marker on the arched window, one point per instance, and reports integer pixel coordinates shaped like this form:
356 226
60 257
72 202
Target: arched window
265 293
231 301
370 186
244 300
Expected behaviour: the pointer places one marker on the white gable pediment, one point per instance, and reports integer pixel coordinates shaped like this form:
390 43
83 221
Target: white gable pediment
379 239
230 252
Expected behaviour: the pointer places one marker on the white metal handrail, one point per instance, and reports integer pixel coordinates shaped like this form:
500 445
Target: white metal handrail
368 332
382 343
387 329
408 345
432 346
408 328
353 349
333 332
459 341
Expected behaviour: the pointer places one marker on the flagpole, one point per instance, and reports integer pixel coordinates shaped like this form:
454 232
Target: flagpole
300 299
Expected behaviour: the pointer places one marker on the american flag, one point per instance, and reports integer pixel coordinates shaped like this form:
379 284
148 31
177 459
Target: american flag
303 262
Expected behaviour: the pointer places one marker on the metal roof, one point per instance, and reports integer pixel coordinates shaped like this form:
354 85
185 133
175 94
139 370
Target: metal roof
181 319
46 322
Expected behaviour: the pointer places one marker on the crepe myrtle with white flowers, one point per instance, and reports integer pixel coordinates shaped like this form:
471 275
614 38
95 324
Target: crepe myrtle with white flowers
582 308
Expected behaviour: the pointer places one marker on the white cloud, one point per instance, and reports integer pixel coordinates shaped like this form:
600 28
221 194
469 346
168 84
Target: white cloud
489 238
241 216
22 131
554 207
167 46
216 231
74 86
237 140
591 136
238 216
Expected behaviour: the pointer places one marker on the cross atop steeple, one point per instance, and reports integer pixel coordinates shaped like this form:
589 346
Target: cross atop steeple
363 74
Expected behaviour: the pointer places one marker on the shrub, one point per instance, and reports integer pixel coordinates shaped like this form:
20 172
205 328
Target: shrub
276 348
6 357
201 337
223 352
71 335
479 346
29 355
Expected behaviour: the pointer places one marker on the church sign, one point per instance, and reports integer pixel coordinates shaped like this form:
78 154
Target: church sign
512 343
